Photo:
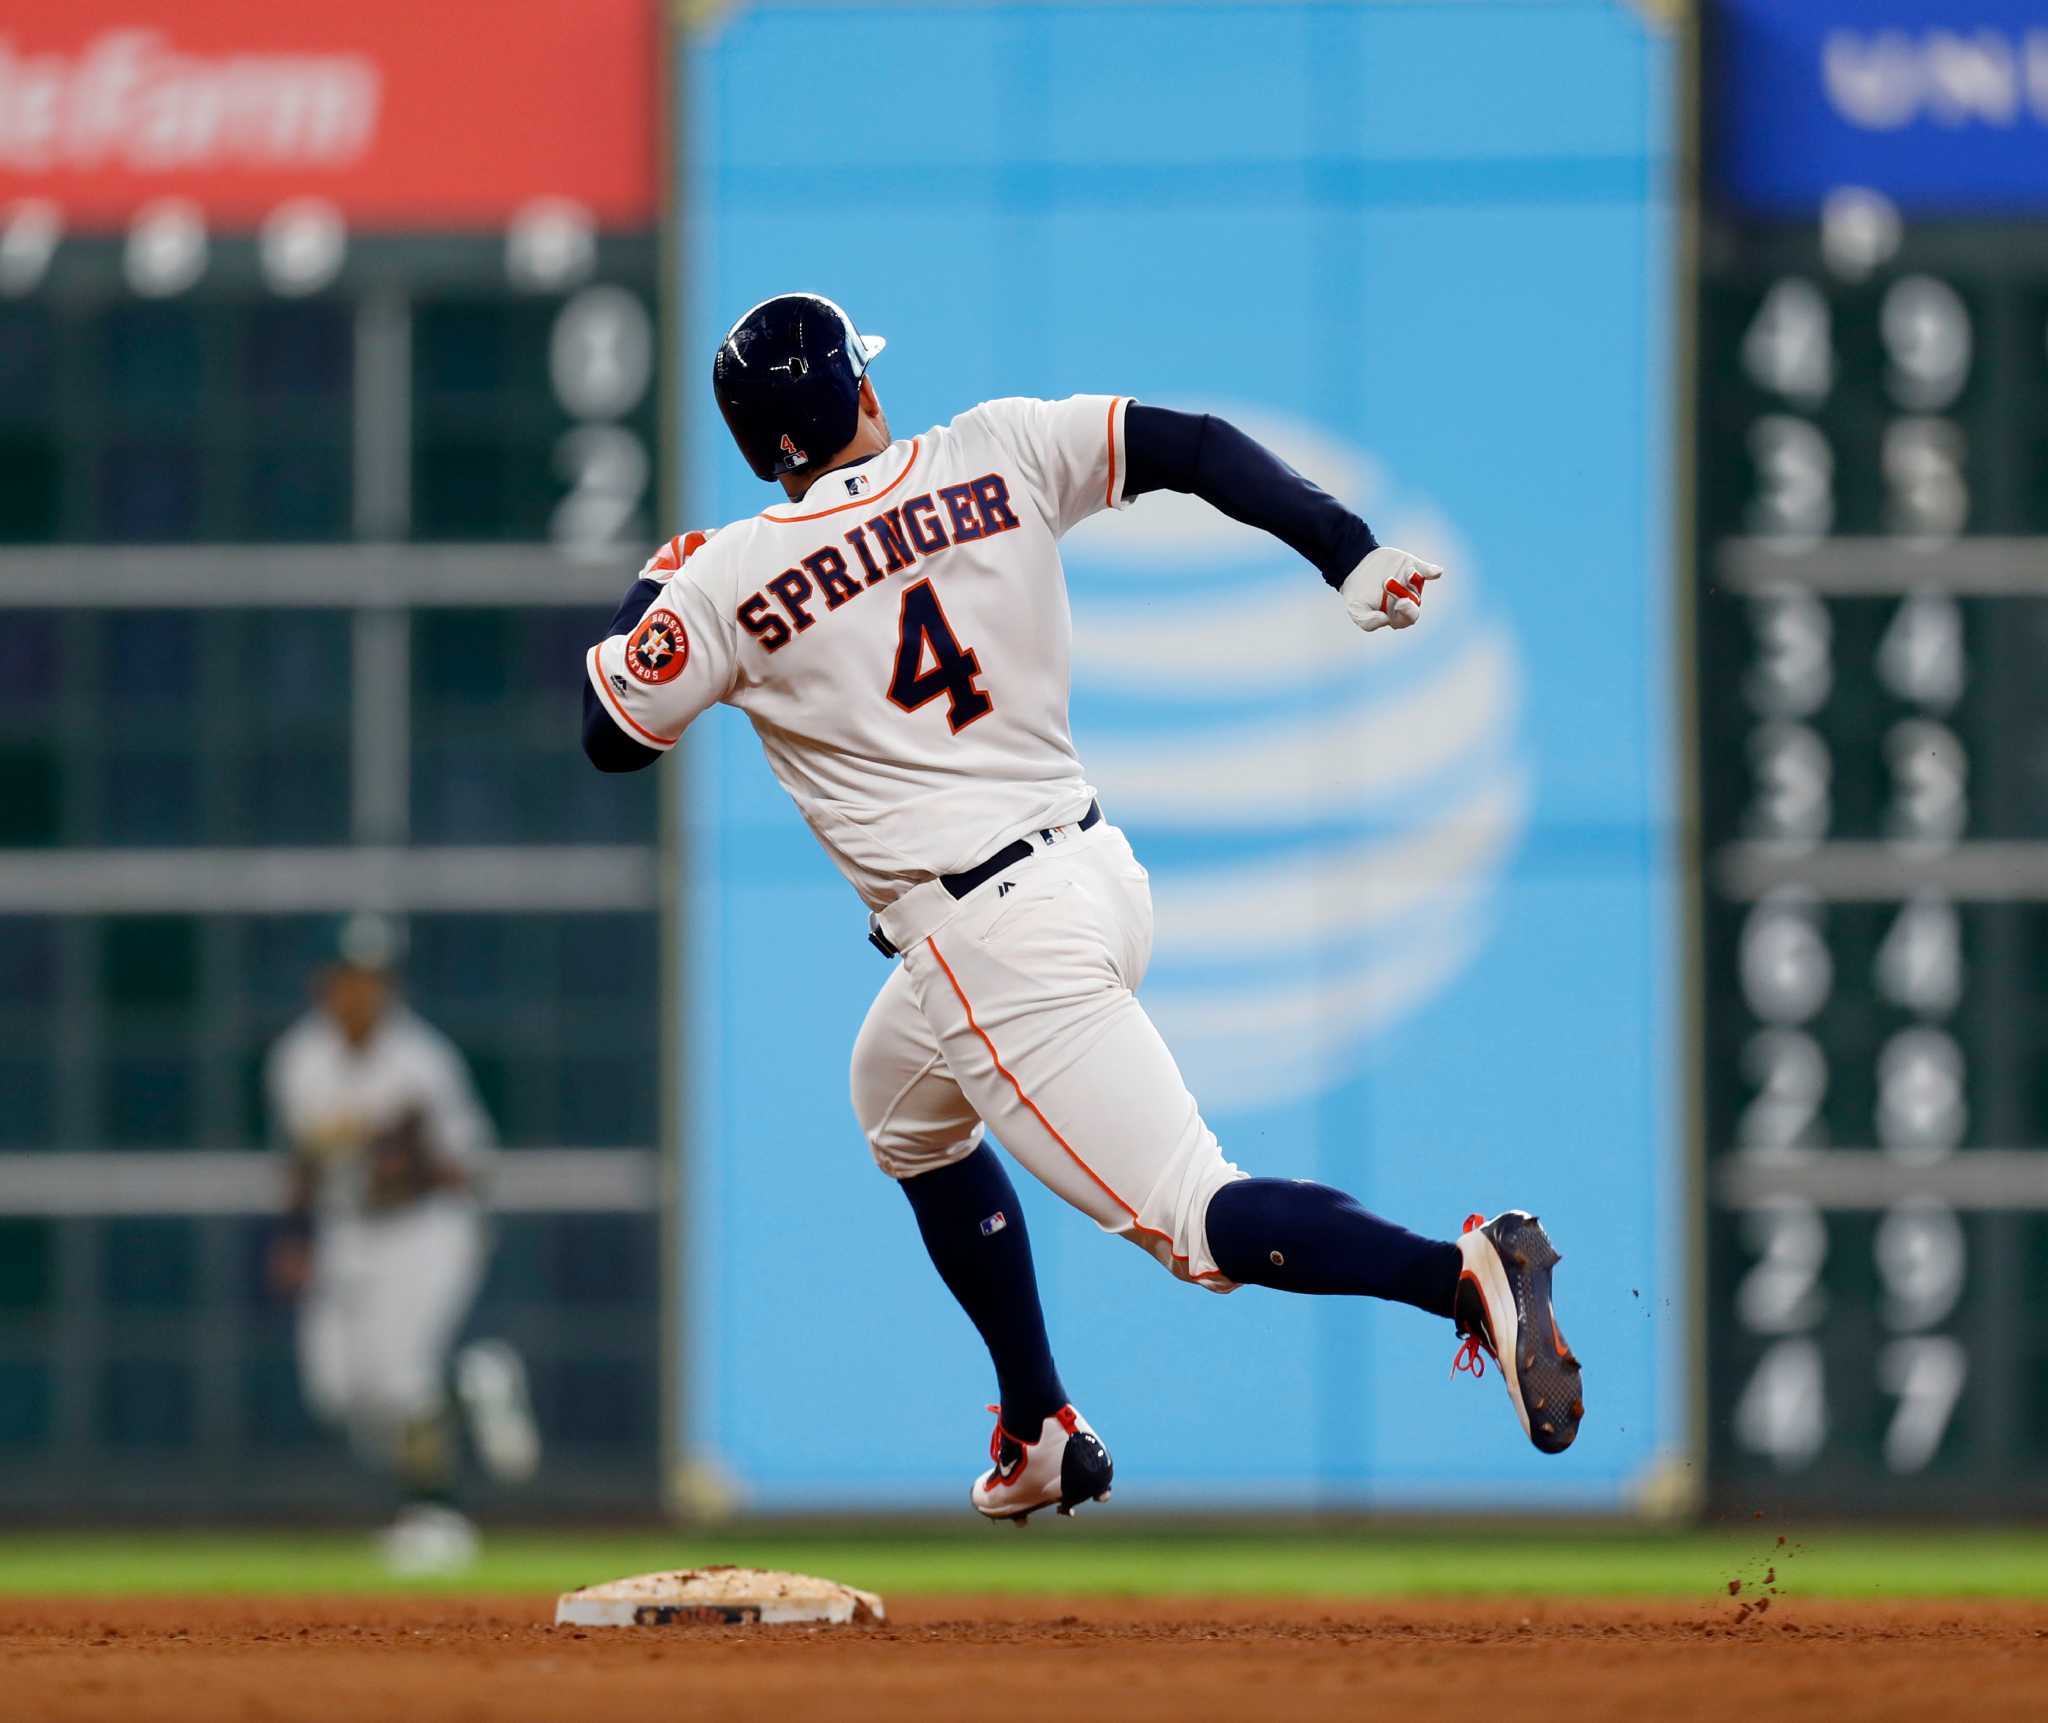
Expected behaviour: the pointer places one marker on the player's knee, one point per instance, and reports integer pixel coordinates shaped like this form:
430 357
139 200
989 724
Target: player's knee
401 1395
1176 1234
888 1157
1189 1266
900 1148
905 1154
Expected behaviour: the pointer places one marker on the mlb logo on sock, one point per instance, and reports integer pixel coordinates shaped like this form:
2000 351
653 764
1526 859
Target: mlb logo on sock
993 1225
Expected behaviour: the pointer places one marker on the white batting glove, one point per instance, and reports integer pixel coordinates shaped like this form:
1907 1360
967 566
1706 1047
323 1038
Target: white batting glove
668 560
1385 590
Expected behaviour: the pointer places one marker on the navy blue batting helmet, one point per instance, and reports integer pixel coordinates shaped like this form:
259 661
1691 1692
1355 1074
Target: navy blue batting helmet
787 378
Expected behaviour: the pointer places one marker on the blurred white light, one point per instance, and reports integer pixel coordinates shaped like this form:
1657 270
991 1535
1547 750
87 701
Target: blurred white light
1788 346
1927 336
1923 1098
1787 970
166 247
601 353
607 468
302 244
550 245
1859 230
1923 656
1923 1258
28 240
1919 965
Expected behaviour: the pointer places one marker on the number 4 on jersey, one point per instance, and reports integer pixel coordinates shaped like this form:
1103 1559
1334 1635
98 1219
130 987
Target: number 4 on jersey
951 672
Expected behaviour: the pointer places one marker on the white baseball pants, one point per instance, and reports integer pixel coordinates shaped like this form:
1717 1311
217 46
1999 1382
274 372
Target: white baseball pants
387 1296
1019 1011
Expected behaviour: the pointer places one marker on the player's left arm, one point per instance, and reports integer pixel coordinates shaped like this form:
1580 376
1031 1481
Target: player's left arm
664 658
1210 458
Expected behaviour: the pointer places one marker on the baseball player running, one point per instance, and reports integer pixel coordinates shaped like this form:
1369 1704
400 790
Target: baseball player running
897 631
384 1244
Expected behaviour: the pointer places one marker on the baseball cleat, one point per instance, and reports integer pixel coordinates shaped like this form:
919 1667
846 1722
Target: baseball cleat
425 1539
490 1381
1066 1466
1503 1310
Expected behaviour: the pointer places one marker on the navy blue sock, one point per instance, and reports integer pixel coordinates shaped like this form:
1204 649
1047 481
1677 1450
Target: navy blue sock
974 1229
1303 1237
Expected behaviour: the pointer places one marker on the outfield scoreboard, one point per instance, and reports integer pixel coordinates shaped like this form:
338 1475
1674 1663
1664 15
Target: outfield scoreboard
1871 488
313 384
370 274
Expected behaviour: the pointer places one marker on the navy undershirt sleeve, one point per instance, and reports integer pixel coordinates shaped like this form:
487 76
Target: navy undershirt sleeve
1211 458
605 745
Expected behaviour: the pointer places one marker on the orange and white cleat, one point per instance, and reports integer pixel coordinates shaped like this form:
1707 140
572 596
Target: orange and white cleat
1064 1466
1504 1312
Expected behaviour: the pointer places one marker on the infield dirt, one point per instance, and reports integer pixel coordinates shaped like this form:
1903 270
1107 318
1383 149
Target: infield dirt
1132 1660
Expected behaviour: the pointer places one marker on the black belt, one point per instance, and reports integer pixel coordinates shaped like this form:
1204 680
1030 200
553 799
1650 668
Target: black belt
958 885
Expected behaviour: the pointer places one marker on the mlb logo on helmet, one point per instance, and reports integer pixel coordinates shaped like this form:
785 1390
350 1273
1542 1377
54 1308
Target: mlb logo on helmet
794 455
660 647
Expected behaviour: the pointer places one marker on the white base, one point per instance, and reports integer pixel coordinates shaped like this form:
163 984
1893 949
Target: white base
716 1595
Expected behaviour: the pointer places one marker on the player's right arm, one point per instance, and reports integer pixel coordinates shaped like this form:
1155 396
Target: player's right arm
291 1247
667 654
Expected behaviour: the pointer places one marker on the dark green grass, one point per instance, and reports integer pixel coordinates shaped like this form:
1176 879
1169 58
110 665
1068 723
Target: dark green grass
1419 1561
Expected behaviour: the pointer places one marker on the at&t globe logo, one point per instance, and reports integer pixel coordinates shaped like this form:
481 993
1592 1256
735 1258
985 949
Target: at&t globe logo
1327 815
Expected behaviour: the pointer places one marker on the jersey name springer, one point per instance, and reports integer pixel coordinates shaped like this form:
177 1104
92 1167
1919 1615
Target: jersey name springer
888 543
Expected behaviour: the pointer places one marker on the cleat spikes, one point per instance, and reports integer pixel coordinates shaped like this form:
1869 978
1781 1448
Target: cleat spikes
1503 1306
1062 1466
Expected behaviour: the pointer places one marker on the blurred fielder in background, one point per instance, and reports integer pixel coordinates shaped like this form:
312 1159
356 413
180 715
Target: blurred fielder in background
384 1244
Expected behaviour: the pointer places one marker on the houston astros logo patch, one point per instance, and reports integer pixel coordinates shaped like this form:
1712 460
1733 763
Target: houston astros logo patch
659 649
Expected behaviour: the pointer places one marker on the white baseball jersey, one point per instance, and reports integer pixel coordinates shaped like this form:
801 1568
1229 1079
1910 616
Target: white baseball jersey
899 639
331 1100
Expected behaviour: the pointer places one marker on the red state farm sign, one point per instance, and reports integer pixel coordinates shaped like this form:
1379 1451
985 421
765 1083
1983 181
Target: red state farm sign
403 113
